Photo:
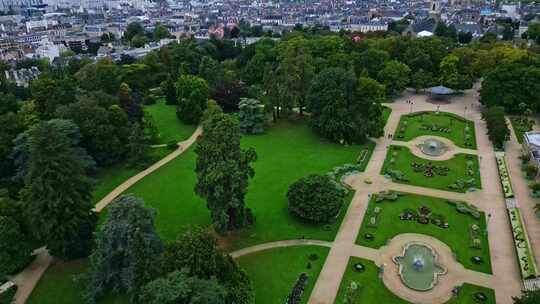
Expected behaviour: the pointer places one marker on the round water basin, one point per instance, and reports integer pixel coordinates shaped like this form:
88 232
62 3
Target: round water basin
433 147
418 267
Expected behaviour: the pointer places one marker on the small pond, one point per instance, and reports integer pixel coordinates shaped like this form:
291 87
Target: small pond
418 267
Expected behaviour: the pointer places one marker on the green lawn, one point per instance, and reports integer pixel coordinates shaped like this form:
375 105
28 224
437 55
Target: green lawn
169 127
373 289
57 286
457 236
109 178
274 272
521 126
413 123
458 169
386 114
287 152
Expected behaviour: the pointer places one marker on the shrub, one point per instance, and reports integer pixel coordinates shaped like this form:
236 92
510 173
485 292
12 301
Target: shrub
315 198
7 296
15 249
172 145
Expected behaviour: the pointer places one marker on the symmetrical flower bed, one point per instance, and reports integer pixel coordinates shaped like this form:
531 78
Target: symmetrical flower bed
295 297
503 174
527 264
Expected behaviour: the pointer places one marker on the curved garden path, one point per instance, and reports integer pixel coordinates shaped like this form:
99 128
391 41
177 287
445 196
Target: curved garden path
278 244
505 280
29 277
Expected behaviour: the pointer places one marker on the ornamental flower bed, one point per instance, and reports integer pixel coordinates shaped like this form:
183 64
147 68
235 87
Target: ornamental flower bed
295 297
503 174
527 264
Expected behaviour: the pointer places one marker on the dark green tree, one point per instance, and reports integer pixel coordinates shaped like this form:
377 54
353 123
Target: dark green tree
371 61
11 127
195 252
15 247
129 104
127 246
170 92
178 287
528 297
464 37
137 148
315 198
395 77
223 170
336 112
133 29
57 191
192 94
252 116
161 32
498 131
372 94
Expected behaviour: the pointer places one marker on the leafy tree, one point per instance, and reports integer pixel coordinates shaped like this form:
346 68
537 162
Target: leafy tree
127 245
508 85
464 37
508 33
102 138
8 103
178 287
421 80
128 104
211 71
371 61
104 76
161 32
11 127
450 76
528 297
251 116
57 191
136 146
170 92
223 170
192 94
254 69
195 252
395 77
498 131
133 29
371 94
136 76
15 247
315 198
533 31
107 37
295 72
336 112
49 93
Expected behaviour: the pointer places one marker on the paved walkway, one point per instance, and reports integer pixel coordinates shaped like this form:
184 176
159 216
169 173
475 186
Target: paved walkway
506 280
278 244
29 277
450 152
182 146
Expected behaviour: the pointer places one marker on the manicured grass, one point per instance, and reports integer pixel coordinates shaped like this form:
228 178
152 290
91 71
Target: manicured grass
287 152
412 124
169 127
386 114
373 289
521 126
274 272
457 236
457 165
109 178
57 286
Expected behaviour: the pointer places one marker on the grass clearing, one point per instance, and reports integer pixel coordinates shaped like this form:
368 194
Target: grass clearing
170 128
386 114
457 236
373 289
286 152
274 272
429 123
403 160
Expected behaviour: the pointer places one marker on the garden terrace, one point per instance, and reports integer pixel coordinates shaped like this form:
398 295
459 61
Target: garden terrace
274 272
458 174
447 125
372 289
459 225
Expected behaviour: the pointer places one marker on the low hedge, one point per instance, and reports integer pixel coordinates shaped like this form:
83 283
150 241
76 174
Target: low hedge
527 264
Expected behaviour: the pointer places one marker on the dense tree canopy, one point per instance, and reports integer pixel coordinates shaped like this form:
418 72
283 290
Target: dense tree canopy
315 198
498 131
57 190
192 94
126 250
15 247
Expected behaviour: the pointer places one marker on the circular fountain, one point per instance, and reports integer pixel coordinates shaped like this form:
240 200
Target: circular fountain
433 147
418 267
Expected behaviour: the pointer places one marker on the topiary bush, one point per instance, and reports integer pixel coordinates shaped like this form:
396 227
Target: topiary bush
315 198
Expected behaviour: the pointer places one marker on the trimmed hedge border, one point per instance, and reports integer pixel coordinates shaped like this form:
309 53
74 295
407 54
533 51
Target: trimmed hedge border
527 264
504 176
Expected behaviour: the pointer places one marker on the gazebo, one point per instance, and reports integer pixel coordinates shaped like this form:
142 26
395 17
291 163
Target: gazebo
440 93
